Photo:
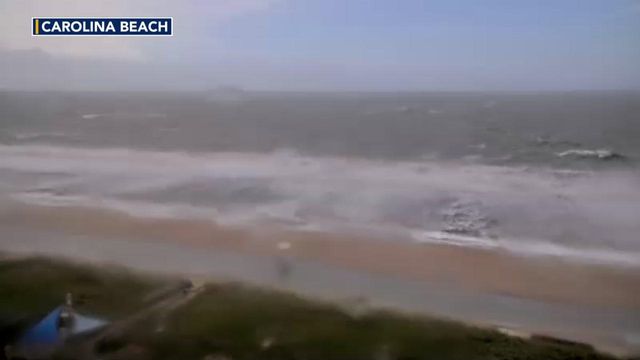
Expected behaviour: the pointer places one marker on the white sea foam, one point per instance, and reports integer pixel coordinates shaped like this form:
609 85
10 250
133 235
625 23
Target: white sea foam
585 153
92 116
27 136
531 247
593 216
442 237
133 208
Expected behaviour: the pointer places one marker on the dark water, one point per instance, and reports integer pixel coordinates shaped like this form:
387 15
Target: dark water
495 128
551 174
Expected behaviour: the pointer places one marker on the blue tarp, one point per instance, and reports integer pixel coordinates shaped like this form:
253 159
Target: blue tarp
84 324
46 333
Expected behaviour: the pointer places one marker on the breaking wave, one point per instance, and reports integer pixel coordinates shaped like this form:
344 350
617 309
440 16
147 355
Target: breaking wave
601 154
585 215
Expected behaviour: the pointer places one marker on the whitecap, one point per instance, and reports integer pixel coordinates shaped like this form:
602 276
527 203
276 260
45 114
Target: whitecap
603 154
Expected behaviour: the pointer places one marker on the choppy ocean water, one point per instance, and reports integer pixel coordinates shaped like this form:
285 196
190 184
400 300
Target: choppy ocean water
551 174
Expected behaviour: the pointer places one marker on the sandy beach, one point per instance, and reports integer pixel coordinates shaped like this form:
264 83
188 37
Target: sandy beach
498 271
585 302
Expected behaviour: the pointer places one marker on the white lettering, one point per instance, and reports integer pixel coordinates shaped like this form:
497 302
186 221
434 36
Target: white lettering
142 27
163 26
95 26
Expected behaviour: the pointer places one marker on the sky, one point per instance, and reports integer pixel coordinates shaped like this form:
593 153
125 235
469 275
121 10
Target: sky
332 45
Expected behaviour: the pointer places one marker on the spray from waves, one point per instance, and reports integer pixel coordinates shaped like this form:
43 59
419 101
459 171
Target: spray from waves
587 216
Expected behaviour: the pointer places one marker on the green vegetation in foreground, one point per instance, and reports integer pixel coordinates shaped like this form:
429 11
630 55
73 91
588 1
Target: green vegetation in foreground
238 322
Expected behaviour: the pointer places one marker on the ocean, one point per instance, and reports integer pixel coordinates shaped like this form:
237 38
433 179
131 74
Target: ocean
541 174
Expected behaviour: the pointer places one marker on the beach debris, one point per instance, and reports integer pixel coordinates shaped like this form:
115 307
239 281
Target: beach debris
283 245
54 330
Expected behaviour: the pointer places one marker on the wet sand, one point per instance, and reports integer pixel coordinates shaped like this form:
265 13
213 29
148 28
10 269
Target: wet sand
586 302
498 271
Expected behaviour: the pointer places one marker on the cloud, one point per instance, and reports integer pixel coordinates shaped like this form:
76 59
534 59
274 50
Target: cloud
191 20
204 53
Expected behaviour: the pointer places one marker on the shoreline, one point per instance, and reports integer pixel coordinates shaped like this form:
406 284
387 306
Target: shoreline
537 277
477 286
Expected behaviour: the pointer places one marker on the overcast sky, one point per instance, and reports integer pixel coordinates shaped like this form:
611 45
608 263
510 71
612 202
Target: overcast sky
371 45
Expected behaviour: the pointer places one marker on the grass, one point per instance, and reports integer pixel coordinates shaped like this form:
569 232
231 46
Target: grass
30 288
35 284
239 321
242 322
